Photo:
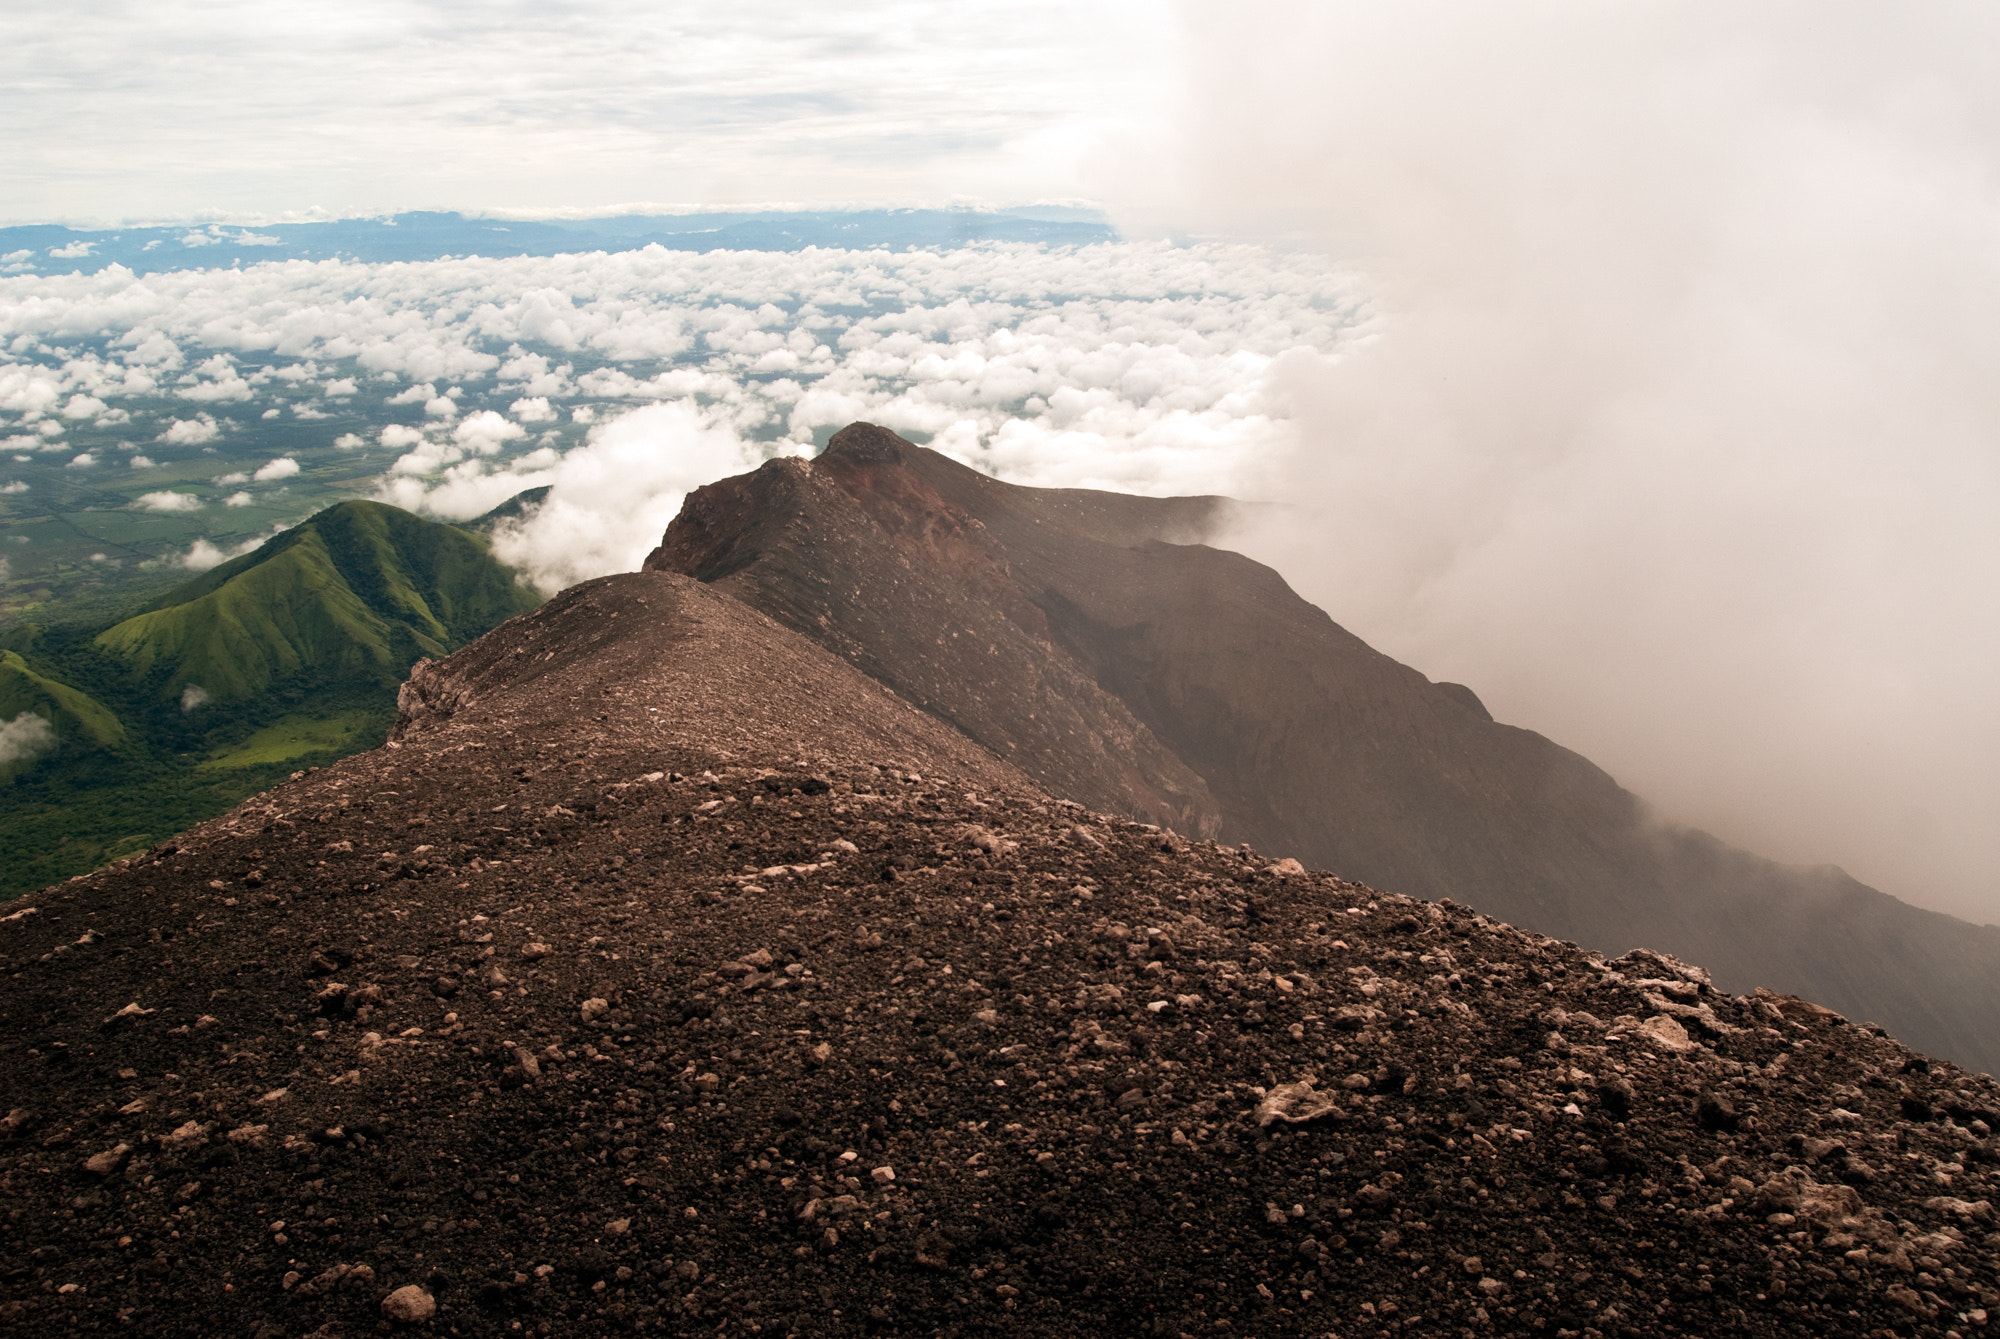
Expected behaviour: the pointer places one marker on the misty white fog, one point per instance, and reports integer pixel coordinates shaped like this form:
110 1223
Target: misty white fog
1676 436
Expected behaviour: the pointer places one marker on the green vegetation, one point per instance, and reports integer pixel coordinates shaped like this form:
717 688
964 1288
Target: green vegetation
297 737
284 658
354 595
74 714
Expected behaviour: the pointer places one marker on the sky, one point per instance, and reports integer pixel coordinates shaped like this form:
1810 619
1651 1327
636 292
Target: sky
173 109
1650 393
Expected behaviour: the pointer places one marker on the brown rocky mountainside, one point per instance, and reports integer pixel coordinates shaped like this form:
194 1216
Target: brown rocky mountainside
1084 637
668 975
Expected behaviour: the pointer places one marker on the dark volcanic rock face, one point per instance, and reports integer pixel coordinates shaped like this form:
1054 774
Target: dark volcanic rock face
1085 638
914 592
668 976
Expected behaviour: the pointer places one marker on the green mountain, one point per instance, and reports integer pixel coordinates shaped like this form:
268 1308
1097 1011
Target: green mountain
72 713
284 658
350 598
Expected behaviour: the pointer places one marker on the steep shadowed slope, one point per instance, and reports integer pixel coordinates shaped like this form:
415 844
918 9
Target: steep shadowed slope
1220 702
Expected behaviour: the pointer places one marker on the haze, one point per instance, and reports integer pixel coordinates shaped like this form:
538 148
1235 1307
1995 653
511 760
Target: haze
1677 437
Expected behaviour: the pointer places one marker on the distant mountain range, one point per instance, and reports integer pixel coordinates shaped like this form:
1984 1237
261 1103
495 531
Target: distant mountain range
1090 640
54 249
282 658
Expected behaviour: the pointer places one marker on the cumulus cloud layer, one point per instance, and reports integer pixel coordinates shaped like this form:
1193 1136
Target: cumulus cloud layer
1143 366
1676 437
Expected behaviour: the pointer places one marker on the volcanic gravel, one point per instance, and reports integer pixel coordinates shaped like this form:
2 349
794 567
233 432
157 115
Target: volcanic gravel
667 976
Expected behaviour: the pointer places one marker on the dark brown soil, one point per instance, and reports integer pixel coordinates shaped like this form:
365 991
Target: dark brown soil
570 1012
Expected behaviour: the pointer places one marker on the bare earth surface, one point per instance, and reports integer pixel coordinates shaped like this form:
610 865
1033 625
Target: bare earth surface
667 975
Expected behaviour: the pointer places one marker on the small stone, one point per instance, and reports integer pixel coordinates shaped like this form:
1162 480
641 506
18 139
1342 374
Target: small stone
820 1054
409 1305
1712 1111
618 1227
107 1162
534 951
1473 1265
1294 1103
1666 1033
1286 868
186 1135
1376 1197
760 959
883 1175
594 1009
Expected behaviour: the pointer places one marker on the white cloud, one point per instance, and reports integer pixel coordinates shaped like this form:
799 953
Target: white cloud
201 556
442 406
413 394
233 477
194 695
29 389
142 462
15 487
169 501
238 500
191 431
610 498
347 441
215 380
398 435
83 406
484 432
341 388
284 467
73 250
24 737
532 409
82 460
531 374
